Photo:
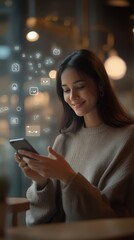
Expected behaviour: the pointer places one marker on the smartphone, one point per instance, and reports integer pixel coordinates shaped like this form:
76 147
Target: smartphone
22 144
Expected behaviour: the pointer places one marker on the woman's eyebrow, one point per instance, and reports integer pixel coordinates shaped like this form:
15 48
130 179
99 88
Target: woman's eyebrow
75 82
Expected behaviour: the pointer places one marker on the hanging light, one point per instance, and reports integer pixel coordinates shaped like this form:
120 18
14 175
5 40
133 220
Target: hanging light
52 74
115 66
32 36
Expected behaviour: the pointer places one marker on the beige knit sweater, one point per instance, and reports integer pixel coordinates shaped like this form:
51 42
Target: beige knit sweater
103 187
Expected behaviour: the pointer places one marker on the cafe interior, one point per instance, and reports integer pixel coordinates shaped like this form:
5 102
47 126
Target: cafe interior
35 36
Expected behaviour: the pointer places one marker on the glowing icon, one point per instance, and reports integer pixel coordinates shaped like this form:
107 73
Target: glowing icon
3 109
46 130
30 77
38 55
56 51
33 90
16 47
48 61
15 67
43 71
23 55
14 86
18 109
39 65
36 117
45 81
14 120
30 63
33 131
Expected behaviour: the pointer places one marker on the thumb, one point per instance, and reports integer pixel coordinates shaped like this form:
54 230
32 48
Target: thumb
54 153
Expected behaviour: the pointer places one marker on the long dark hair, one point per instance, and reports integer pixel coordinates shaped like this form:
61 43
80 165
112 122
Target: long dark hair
110 110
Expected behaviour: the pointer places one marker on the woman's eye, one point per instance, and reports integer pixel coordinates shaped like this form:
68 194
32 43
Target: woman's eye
81 86
66 90
77 87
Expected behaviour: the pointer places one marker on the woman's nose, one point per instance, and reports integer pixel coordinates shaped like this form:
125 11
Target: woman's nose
73 95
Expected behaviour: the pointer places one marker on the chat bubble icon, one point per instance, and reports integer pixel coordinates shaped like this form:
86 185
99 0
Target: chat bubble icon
33 90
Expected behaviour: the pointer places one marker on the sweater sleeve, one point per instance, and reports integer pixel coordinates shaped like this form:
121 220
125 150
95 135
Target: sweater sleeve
45 205
114 195
82 201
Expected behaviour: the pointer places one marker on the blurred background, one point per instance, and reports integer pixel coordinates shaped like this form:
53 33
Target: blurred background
34 38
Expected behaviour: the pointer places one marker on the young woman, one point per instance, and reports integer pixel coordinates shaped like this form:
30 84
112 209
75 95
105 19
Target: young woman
89 172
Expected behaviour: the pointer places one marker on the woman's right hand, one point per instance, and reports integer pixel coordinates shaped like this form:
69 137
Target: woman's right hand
28 172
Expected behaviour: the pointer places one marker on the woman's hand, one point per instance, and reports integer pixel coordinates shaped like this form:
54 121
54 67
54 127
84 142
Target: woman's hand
28 172
53 166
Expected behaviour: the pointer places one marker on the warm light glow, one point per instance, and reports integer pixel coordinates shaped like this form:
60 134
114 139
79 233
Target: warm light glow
54 18
4 99
31 22
52 74
118 3
39 100
14 100
32 36
131 16
115 67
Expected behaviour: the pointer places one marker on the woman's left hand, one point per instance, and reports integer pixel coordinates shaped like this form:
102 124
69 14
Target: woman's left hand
53 166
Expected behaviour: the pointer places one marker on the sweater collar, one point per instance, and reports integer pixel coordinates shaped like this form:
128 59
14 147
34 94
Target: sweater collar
94 130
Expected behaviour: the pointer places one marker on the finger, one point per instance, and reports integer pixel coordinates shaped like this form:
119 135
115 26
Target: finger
37 165
53 152
28 154
22 164
31 155
18 157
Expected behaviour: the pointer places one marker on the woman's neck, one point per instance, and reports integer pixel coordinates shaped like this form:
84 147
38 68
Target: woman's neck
92 121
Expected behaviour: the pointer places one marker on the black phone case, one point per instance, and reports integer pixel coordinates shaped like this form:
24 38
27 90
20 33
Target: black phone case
22 144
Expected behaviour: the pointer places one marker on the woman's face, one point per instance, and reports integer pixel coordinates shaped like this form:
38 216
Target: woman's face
80 93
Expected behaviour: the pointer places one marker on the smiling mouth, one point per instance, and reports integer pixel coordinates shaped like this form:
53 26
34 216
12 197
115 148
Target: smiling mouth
77 105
